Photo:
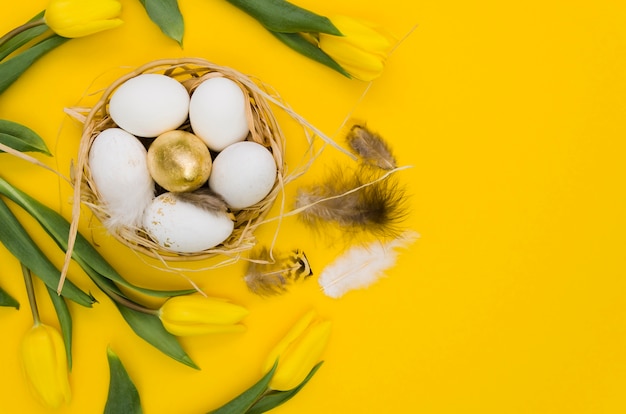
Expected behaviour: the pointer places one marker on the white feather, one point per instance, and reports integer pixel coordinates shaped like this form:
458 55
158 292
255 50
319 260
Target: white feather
361 266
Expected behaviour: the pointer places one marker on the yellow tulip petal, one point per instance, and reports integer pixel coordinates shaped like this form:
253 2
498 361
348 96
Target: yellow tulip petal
196 315
201 329
364 35
196 308
361 51
364 73
77 18
88 28
77 11
296 330
294 366
358 63
346 53
45 365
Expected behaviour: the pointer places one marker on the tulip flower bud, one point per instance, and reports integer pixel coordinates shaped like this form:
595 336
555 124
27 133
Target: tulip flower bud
298 352
198 315
45 365
361 51
78 18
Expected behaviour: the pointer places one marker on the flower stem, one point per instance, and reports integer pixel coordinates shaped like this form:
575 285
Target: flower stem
11 34
30 290
129 303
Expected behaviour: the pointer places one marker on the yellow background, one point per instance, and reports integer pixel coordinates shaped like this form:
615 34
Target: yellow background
514 298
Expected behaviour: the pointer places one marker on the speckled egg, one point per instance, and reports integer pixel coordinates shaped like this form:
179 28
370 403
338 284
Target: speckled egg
185 227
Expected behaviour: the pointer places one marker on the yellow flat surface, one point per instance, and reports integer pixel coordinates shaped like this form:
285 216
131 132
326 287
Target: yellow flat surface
513 299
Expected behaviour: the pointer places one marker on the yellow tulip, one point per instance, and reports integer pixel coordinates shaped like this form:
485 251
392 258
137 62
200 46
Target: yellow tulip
298 352
45 365
78 18
199 315
361 51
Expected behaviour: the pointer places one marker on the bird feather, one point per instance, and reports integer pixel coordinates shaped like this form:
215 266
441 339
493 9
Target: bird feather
362 265
370 147
270 273
355 200
205 199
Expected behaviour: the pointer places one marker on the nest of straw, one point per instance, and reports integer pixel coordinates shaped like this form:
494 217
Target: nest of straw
264 130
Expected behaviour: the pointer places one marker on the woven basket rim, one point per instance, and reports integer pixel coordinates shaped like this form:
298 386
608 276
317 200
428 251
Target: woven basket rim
264 129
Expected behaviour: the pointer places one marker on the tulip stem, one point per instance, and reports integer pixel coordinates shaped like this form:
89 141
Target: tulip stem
30 290
122 300
129 303
11 34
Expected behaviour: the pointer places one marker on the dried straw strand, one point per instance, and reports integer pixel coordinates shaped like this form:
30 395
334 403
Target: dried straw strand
264 129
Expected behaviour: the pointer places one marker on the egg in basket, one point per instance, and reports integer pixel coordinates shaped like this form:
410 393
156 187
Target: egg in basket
181 159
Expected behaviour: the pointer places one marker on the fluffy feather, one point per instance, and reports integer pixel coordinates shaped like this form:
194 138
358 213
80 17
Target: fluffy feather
370 147
356 201
361 266
206 199
119 170
267 276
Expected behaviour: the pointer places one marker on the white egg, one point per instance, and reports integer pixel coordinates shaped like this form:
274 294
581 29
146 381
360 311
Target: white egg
217 113
184 227
149 105
243 174
118 164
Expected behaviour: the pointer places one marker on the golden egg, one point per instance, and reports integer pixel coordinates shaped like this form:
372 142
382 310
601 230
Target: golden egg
179 161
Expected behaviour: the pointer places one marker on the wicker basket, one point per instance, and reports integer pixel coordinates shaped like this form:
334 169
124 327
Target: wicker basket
264 130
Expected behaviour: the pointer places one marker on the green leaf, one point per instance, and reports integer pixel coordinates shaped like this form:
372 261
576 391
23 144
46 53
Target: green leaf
26 36
150 328
245 400
123 396
12 69
308 49
166 15
18 242
84 253
285 17
147 326
275 398
65 320
21 138
8 300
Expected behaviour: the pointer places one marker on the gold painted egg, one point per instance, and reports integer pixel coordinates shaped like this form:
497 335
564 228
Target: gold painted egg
179 161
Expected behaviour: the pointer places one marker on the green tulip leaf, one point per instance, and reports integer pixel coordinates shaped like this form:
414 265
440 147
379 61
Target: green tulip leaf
273 399
166 15
18 242
26 36
308 49
21 138
282 16
150 328
65 320
84 253
123 395
242 403
12 69
8 300
147 326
